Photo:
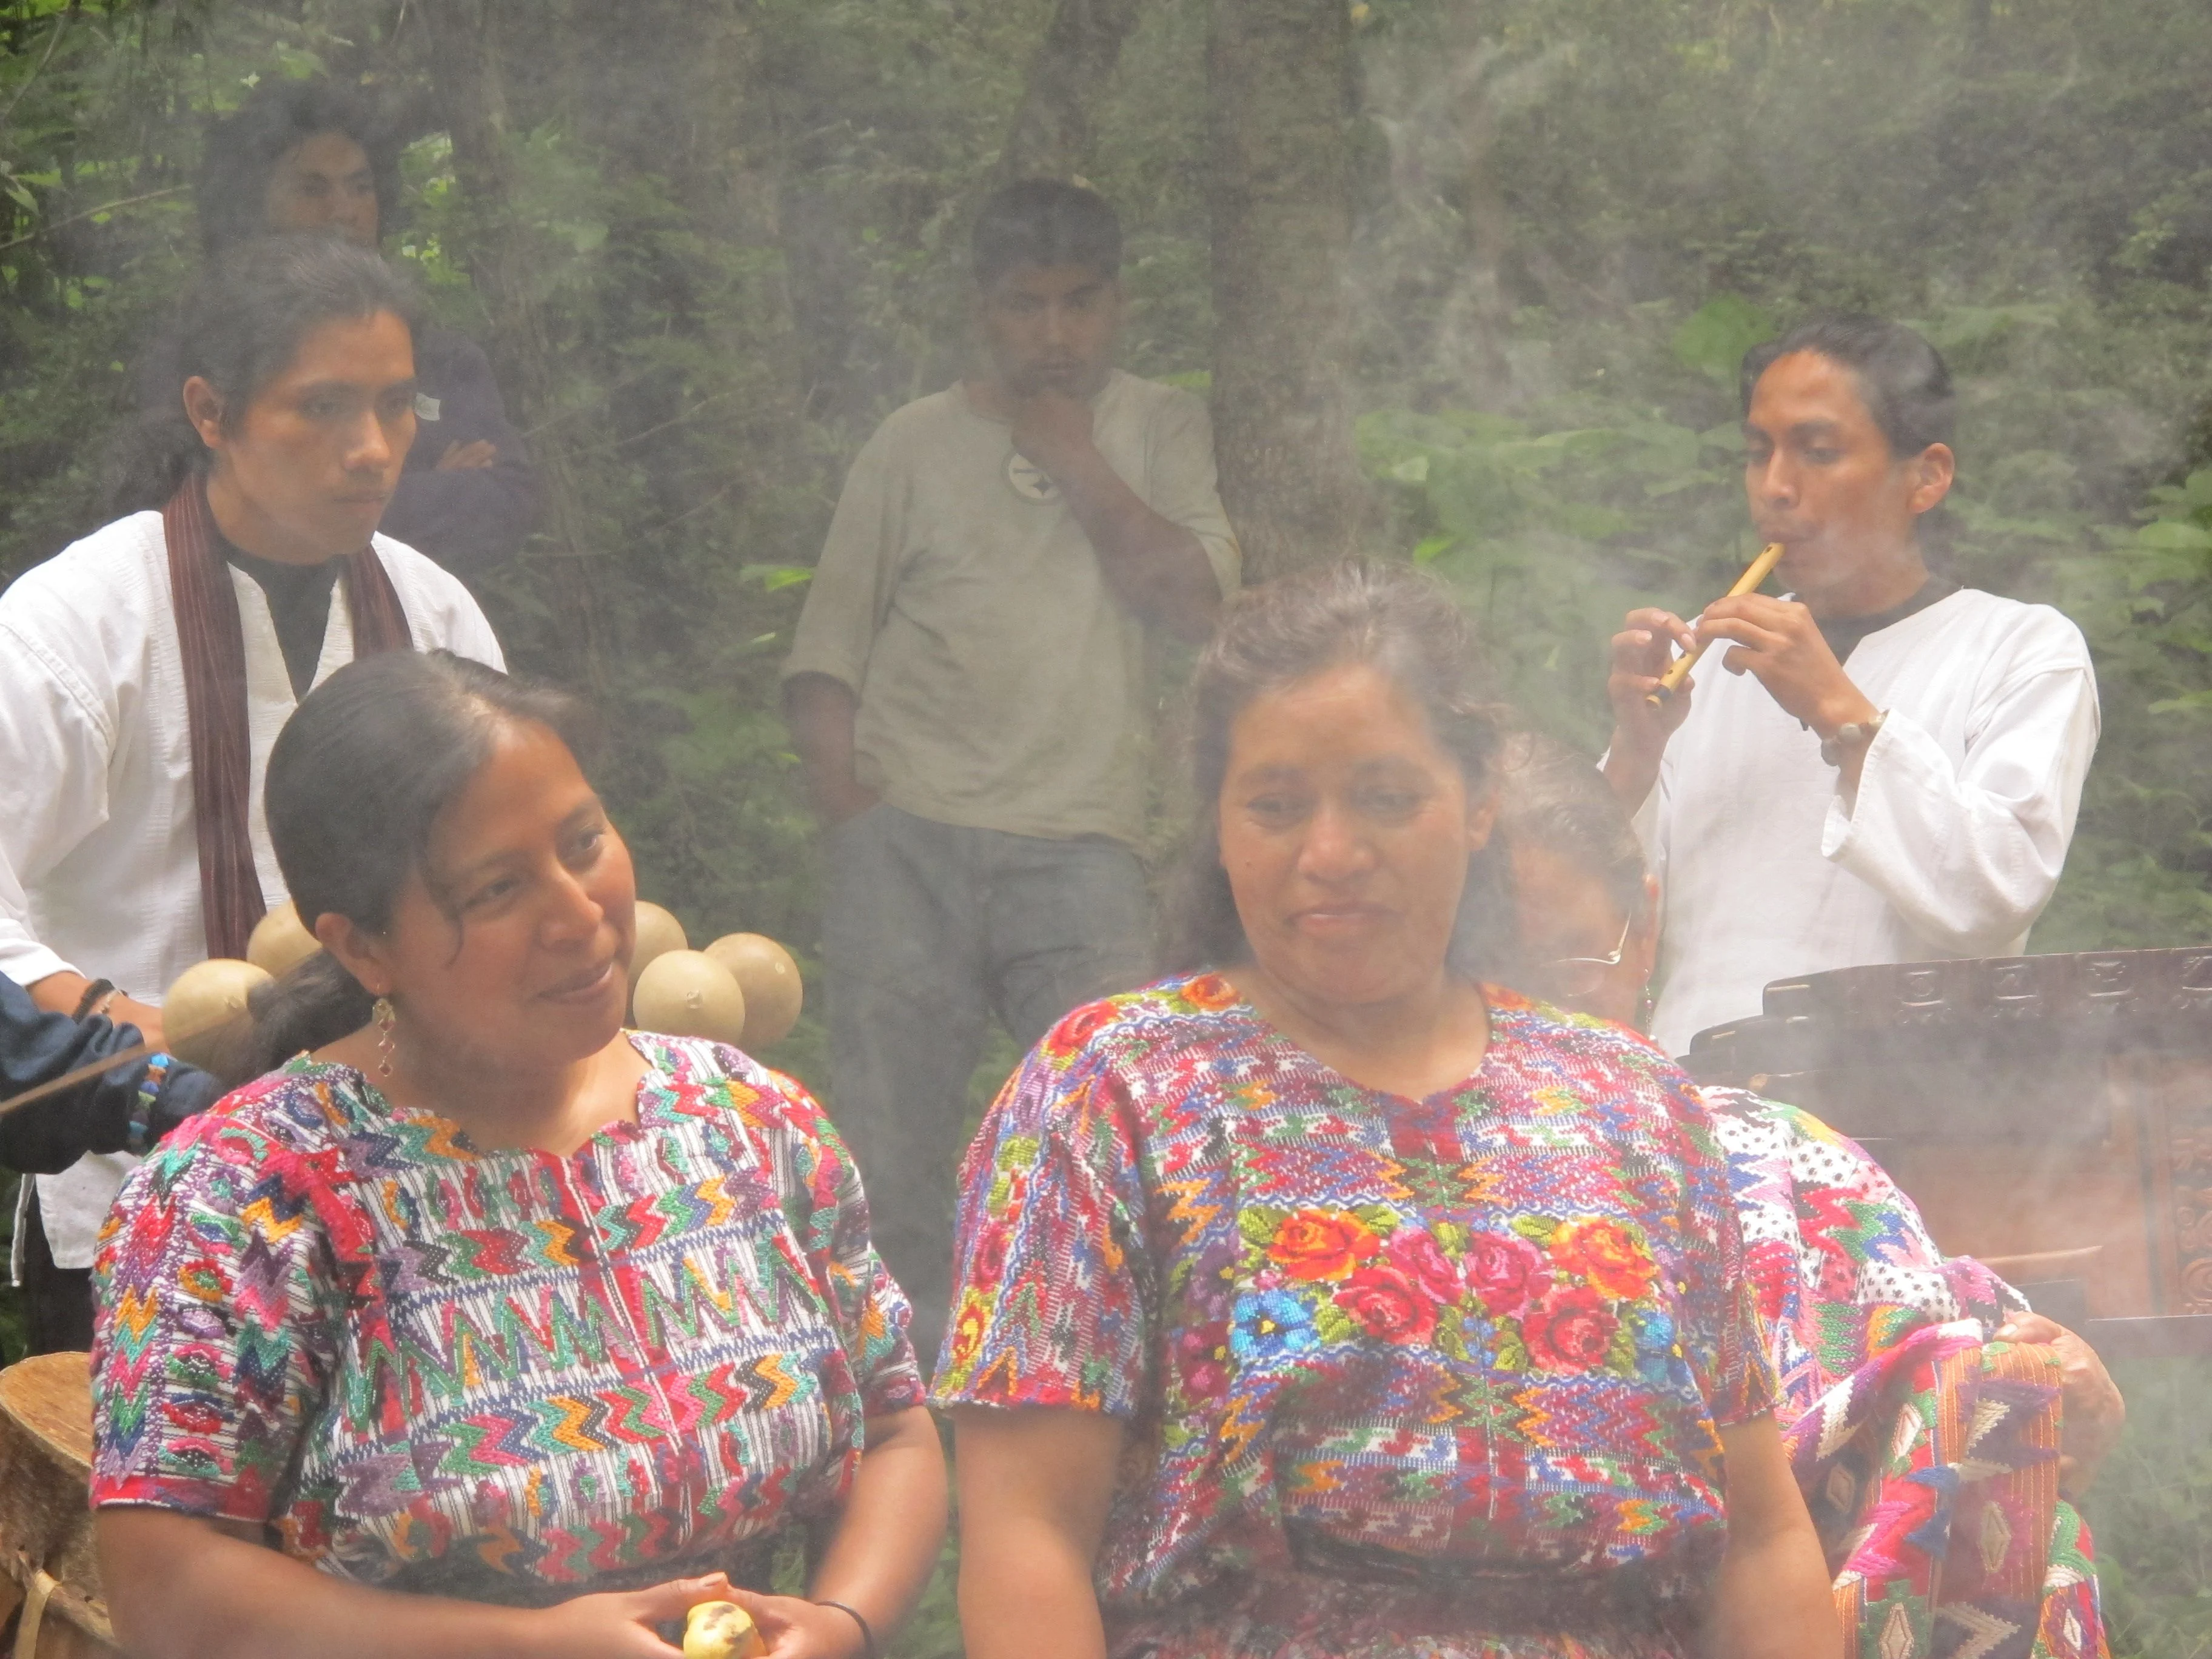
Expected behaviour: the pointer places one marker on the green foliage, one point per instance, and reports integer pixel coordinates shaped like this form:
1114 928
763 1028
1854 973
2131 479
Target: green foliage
744 232
2151 1511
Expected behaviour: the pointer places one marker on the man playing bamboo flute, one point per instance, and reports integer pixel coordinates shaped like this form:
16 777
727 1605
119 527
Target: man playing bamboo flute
145 670
1889 770
970 691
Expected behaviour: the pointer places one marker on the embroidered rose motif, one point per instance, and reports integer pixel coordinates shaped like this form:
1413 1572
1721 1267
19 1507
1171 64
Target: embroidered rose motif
1078 1028
1209 994
1507 1272
1202 1358
1321 1244
1388 1305
1418 1256
1569 1331
1610 1256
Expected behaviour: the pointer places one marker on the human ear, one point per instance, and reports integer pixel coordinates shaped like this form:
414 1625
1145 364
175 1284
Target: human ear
1935 467
204 409
359 952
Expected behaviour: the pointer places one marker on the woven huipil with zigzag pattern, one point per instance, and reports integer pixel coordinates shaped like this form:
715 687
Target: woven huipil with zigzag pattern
497 1373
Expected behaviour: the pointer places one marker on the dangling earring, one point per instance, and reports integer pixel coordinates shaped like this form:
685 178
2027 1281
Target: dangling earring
385 1018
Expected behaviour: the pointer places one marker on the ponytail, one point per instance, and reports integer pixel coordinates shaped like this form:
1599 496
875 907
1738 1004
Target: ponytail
311 1005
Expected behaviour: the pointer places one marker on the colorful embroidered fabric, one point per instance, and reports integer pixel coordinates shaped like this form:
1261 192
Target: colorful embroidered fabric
1473 1346
490 1373
1927 1453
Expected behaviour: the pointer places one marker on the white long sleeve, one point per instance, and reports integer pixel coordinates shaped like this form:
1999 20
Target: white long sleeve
56 737
1968 853
95 776
1952 846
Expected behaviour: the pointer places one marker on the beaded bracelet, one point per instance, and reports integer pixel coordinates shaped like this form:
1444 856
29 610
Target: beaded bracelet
137 1140
867 1632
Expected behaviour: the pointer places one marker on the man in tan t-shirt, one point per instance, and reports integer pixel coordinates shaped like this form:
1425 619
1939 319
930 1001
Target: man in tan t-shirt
969 692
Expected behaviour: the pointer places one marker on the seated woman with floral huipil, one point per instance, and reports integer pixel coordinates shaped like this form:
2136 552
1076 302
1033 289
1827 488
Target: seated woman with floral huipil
553 1324
1323 1300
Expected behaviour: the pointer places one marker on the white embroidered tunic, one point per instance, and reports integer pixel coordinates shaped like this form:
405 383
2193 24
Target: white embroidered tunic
95 776
1952 846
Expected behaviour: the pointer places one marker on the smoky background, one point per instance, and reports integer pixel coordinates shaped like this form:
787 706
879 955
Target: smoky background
1505 256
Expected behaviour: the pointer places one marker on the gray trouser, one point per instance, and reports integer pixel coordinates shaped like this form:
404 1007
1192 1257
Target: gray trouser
928 930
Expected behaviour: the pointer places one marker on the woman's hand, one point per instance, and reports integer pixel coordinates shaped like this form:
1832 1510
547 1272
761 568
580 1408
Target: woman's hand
2093 1414
794 1629
182 1586
619 1624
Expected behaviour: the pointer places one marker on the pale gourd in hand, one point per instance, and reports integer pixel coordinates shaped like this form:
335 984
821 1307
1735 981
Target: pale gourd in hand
657 933
689 994
722 1630
204 1006
280 942
769 978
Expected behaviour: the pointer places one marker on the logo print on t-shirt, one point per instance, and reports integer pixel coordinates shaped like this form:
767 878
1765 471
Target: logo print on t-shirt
1031 482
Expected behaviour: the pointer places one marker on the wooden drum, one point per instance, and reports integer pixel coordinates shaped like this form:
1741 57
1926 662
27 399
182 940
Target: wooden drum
51 1579
2051 1116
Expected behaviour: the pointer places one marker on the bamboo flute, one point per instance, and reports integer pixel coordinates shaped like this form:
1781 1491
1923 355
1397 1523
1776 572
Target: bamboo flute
1757 572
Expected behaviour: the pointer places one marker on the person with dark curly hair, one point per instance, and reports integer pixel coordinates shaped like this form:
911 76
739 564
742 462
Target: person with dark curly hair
316 155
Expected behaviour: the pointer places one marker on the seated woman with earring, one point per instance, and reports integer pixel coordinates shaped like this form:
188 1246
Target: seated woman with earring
552 1325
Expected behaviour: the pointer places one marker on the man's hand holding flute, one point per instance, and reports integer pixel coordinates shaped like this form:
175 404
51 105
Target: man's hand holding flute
1777 641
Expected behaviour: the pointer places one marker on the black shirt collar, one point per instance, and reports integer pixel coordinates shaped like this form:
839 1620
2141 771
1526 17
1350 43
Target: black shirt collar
1844 633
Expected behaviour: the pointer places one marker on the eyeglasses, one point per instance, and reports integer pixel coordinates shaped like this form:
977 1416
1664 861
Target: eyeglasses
1569 977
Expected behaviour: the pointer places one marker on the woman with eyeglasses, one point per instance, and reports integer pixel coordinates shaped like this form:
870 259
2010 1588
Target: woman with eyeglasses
1904 1372
1323 1299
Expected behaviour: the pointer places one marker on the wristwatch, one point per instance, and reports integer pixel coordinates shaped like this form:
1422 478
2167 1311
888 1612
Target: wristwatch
1852 734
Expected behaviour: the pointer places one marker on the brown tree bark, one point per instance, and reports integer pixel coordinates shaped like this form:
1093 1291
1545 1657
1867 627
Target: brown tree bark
1051 133
464 63
1279 75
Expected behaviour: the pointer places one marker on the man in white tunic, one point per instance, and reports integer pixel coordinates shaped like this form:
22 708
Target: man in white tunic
1890 769
177 639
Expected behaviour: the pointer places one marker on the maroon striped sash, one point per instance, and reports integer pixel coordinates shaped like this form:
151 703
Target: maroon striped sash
213 642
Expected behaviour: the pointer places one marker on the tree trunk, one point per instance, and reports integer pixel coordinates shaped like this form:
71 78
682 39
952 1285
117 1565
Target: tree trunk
1279 74
1051 133
464 63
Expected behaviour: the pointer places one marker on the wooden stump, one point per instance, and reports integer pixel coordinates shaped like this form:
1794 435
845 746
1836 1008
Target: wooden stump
45 1520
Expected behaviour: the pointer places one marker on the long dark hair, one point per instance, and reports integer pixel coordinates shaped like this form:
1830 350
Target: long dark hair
237 328
357 780
1393 619
244 149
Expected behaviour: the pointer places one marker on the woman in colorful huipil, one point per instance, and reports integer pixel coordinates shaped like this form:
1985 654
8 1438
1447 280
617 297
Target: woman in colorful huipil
1939 1431
485 1298
1323 1300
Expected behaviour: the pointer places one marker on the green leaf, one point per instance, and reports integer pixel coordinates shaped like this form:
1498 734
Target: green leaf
1259 1224
774 578
1333 1324
1713 339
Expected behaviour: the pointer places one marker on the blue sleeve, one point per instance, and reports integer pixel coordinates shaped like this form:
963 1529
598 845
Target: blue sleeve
49 1135
468 521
